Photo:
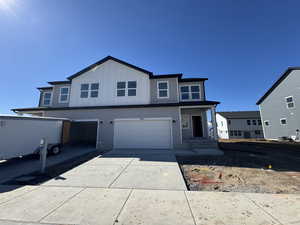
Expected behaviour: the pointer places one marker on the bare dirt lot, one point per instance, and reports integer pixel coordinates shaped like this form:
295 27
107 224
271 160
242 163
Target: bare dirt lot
256 167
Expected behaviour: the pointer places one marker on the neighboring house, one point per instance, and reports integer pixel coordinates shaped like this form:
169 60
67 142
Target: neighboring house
280 108
117 105
239 124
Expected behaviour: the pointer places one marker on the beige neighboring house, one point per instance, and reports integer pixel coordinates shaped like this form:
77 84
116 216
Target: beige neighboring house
114 104
239 124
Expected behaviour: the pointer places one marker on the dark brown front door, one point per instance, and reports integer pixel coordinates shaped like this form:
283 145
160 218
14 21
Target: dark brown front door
197 126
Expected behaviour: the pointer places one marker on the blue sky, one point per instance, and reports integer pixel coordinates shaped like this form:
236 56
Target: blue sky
241 46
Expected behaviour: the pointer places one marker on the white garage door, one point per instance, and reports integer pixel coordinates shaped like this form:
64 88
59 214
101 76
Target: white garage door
142 133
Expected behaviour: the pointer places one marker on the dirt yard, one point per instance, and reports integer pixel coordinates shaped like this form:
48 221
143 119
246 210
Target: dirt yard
245 167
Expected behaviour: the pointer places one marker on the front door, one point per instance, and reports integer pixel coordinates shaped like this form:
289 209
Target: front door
197 126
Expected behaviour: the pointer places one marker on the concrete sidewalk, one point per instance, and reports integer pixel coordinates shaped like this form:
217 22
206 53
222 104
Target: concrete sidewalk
108 206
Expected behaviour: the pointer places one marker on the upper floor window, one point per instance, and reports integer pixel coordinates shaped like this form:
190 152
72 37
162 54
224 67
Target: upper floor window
128 87
84 91
89 90
290 102
267 122
254 122
163 89
131 88
191 92
47 98
229 122
64 94
94 90
283 121
259 122
249 122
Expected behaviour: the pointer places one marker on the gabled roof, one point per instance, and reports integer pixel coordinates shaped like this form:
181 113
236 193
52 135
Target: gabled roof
240 114
283 76
103 61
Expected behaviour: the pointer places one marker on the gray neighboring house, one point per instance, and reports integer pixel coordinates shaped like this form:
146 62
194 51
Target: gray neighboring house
239 124
114 104
280 106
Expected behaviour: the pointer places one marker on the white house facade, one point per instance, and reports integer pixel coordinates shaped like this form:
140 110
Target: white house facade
239 125
114 104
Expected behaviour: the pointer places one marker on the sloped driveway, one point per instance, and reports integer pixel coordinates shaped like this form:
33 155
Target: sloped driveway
129 169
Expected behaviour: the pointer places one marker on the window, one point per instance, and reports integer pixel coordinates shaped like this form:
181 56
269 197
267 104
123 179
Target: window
283 121
184 92
121 88
84 91
185 122
290 102
163 89
64 94
191 92
259 122
229 122
131 88
235 133
267 123
195 92
239 133
249 122
257 132
231 133
94 90
254 122
47 98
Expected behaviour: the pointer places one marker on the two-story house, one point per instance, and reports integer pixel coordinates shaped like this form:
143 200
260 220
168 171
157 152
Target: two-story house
239 124
118 105
279 106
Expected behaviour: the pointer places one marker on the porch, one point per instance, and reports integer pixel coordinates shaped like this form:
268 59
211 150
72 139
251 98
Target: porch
198 127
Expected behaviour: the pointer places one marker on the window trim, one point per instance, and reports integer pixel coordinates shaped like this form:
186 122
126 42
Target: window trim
60 94
159 82
287 103
50 102
190 92
91 90
88 90
282 123
128 88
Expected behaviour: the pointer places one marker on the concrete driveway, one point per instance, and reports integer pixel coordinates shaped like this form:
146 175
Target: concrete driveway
143 188
138 169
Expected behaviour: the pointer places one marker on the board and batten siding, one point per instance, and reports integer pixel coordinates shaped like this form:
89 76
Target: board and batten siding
107 75
173 90
274 107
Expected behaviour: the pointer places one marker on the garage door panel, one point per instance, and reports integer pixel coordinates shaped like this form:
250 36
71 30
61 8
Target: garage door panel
142 134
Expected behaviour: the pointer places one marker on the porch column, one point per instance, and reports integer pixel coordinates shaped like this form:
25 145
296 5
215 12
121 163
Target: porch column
214 122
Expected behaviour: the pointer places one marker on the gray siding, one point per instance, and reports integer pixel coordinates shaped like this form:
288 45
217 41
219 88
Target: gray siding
241 124
55 95
173 91
105 134
188 133
273 108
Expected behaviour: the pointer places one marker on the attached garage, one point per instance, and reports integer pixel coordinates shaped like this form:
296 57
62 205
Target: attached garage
152 133
84 133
